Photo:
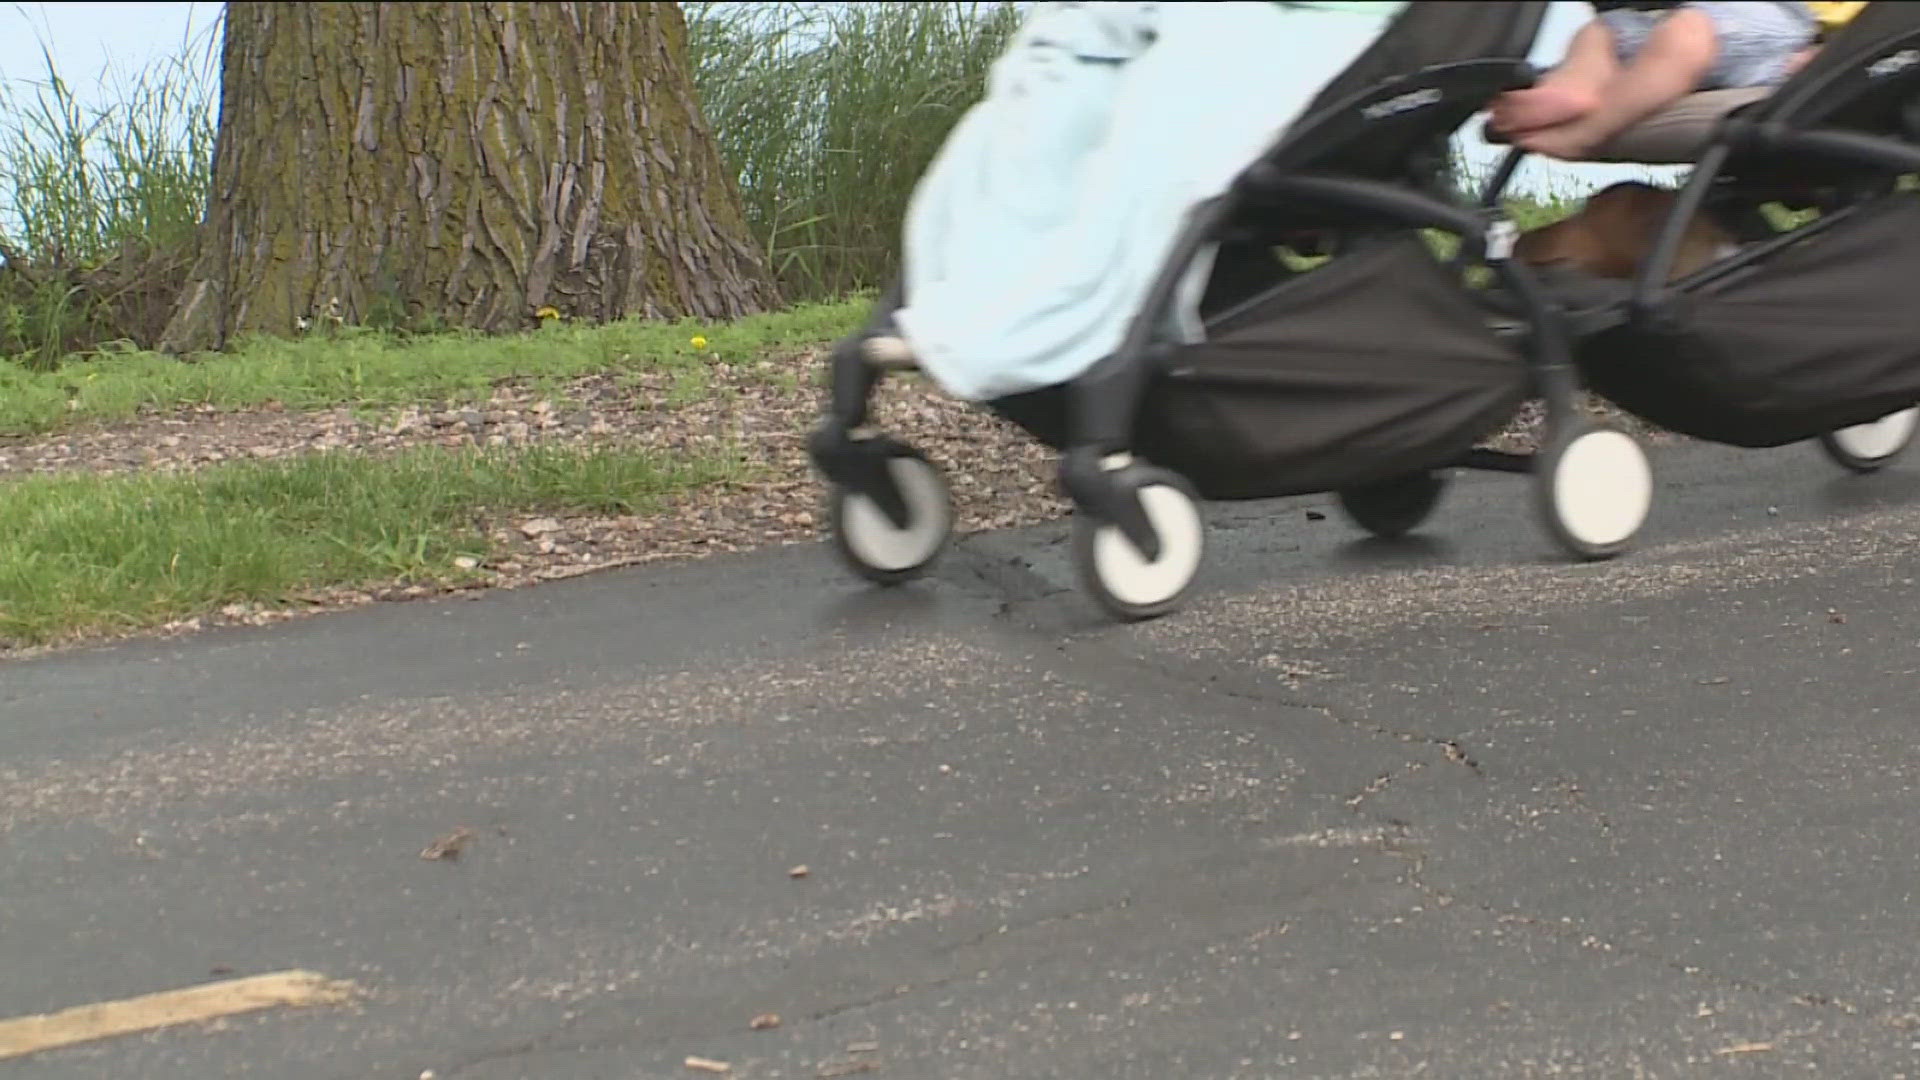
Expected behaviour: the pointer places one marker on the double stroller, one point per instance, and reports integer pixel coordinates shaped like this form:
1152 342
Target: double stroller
1339 351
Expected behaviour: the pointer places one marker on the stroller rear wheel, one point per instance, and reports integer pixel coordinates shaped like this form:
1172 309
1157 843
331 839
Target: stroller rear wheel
1393 508
871 543
1124 581
1593 488
1865 448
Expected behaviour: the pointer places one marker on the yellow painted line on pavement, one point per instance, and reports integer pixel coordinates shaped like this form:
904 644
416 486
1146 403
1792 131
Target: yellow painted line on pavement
208 1001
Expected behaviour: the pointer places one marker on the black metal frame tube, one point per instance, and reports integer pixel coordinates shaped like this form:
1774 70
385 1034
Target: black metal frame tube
1650 284
852 378
1102 403
1848 146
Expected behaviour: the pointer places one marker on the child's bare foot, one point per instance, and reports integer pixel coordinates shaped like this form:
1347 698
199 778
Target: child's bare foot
1547 105
1567 142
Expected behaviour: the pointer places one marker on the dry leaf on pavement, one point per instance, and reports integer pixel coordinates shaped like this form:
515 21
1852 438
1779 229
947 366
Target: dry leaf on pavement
447 847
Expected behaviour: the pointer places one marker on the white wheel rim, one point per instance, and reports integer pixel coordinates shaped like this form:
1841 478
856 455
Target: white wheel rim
1602 488
872 538
1881 438
1132 579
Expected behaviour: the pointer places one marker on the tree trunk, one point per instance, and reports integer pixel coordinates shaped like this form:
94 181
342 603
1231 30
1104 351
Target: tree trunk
462 164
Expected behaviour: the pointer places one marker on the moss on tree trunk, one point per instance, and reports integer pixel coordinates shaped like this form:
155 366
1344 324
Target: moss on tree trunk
462 164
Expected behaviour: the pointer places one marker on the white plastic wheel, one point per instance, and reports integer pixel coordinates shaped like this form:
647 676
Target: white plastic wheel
1865 448
1125 582
1595 489
870 543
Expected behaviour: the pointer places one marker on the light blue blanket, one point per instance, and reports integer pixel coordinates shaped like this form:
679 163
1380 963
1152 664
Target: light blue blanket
1036 233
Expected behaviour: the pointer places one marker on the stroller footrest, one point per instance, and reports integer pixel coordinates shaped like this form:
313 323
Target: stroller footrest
889 352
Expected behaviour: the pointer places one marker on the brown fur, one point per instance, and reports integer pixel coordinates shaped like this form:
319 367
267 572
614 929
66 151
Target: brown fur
1615 230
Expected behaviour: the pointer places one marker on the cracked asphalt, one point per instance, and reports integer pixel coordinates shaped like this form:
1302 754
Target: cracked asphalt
1452 807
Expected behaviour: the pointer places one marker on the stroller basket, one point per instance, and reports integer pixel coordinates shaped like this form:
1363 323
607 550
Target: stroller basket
1374 365
1822 334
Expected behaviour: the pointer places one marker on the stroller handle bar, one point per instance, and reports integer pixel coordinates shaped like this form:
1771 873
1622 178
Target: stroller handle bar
1849 146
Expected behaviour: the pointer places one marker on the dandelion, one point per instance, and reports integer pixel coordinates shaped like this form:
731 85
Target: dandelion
699 343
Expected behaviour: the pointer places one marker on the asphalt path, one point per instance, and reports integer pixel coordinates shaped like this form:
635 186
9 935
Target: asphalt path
1451 807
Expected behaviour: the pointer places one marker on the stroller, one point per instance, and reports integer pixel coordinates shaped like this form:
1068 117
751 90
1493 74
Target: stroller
1811 332
1369 375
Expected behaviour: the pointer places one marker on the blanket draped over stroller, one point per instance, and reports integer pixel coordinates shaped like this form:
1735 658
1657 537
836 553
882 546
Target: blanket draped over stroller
1037 232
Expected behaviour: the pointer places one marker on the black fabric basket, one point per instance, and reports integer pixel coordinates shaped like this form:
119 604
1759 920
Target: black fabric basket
1376 364
1823 334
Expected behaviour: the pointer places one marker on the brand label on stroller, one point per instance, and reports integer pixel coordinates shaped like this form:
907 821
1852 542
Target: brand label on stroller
1405 103
1893 65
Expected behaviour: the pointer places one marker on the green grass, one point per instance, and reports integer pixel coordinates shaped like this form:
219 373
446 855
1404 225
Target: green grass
829 114
82 185
87 554
373 370
101 206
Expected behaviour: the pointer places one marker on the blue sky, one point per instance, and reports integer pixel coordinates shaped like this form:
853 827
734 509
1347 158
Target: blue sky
92 41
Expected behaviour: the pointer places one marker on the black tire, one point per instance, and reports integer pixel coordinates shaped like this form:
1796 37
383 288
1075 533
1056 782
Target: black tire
1111 570
1391 509
1593 489
1870 447
867 542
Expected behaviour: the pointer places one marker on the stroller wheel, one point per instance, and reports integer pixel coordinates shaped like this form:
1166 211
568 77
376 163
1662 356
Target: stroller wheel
1125 582
1865 448
1593 488
869 542
1393 508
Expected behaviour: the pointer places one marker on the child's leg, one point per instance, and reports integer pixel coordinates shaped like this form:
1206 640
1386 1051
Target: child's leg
1566 93
1673 62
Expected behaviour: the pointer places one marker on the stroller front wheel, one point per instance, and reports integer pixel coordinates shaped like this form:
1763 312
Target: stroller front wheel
1393 508
1125 582
1593 489
871 544
1869 447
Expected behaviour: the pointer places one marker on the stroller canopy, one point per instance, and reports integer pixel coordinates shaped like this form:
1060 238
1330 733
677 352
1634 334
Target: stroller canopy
1432 33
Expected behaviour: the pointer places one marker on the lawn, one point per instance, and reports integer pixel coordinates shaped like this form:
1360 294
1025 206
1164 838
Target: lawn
86 555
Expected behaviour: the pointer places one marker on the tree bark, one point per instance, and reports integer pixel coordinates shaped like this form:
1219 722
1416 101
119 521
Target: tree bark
462 164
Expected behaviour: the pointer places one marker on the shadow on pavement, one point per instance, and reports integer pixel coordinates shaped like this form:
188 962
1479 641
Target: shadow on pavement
1873 491
1374 551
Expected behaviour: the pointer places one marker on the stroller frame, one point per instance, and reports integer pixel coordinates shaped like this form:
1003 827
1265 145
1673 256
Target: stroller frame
1369 157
